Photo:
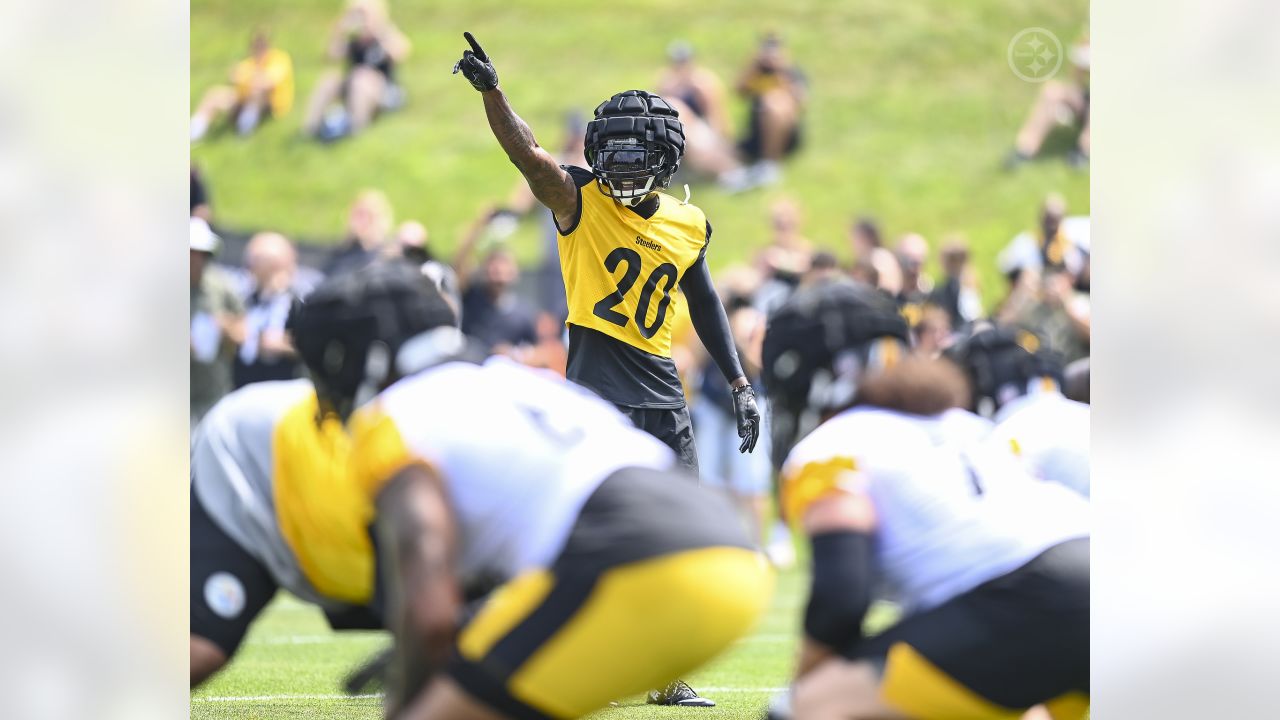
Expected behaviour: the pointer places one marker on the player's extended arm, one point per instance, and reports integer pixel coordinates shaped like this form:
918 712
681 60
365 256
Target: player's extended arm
549 182
712 325
839 527
417 540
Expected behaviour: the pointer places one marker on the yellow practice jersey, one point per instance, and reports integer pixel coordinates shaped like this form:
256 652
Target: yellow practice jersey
620 269
279 483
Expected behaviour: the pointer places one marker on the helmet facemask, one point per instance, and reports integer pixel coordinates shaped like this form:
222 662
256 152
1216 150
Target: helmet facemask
628 169
634 145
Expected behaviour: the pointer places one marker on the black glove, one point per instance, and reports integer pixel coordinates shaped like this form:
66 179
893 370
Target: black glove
748 417
476 66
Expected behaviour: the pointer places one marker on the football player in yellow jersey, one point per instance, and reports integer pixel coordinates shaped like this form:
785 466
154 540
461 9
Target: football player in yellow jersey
624 247
272 504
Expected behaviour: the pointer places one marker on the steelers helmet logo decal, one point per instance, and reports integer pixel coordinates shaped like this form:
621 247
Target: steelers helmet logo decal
224 594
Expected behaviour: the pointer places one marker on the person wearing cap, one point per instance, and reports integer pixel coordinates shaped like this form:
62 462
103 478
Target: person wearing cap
217 322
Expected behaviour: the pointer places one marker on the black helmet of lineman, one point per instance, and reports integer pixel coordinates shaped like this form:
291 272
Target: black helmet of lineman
634 145
817 348
1002 364
359 331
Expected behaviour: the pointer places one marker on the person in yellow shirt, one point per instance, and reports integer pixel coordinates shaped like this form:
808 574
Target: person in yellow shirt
261 87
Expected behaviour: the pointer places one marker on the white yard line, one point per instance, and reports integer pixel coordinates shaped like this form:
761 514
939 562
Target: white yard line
338 696
274 698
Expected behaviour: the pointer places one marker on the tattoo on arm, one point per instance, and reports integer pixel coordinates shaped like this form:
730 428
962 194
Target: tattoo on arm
416 537
549 182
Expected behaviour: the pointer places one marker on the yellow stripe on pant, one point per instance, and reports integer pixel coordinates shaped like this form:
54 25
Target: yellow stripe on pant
643 624
916 687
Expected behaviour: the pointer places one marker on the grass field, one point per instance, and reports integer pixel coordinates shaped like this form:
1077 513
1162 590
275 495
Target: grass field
913 107
291 663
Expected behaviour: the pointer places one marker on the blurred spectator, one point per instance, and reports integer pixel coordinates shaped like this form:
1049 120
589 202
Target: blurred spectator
698 95
368 223
958 294
1050 306
784 261
933 333
201 206
371 47
265 353
776 91
823 267
785 219
261 87
550 351
868 247
864 272
1059 104
491 311
696 86
217 322
1059 243
411 246
780 272
744 476
911 253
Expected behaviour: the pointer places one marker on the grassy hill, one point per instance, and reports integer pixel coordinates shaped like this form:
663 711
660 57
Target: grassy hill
913 108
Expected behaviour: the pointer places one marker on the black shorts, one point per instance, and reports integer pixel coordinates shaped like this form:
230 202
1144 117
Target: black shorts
656 577
229 587
752 146
672 427
1013 642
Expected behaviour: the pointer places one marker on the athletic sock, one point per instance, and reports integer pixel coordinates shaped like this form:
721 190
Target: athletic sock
248 119
199 126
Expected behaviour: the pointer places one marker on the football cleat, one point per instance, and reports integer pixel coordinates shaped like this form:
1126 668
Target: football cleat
678 693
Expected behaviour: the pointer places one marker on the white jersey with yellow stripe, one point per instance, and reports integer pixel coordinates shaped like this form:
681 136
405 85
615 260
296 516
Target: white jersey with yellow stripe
951 511
1049 433
519 450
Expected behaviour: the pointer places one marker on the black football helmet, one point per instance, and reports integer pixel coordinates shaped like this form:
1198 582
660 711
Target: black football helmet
359 331
1002 364
634 145
817 348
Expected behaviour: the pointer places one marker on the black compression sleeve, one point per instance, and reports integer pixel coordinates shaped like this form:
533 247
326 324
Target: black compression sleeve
841 588
710 320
